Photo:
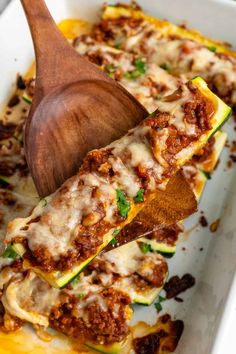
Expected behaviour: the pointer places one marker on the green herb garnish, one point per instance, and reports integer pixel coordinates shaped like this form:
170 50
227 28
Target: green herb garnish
139 197
161 298
158 304
10 253
81 295
122 203
109 68
113 242
140 66
145 247
118 45
165 66
212 48
116 232
75 280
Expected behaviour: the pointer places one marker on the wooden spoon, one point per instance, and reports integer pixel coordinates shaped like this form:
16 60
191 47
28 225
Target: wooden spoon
76 107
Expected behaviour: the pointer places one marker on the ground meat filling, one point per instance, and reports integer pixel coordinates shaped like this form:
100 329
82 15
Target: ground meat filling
106 30
167 234
154 278
103 320
199 111
42 258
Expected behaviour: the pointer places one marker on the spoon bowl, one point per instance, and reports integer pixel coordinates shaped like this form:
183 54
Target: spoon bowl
75 122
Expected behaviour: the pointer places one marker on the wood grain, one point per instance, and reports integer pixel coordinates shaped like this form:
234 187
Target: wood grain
76 107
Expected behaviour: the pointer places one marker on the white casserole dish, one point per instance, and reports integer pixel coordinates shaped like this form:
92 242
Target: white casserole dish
209 309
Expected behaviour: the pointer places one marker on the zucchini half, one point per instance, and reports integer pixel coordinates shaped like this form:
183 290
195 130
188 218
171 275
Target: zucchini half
56 279
130 260
203 175
166 28
141 297
209 165
222 111
164 248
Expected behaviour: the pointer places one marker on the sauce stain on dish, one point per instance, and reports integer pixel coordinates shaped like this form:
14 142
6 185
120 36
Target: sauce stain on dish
25 341
166 331
161 338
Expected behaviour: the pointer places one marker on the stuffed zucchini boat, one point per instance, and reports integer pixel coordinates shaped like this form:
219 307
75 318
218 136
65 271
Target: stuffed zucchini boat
94 307
182 52
164 240
62 235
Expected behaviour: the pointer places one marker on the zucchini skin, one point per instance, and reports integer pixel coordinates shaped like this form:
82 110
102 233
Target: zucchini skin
26 98
99 348
162 248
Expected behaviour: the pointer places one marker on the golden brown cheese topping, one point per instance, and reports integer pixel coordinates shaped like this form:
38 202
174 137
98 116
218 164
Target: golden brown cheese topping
146 80
71 224
182 57
107 286
102 316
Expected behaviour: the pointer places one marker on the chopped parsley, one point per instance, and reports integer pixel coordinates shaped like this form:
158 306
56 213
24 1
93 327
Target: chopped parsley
110 68
158 304
145 247
140 70
76 280
140 65
118 45
81 295
113 242
161 298
116 232
165 66
212 48
123 204
10 253
139 197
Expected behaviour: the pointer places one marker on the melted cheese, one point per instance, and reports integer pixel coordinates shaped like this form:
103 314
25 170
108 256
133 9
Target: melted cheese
61 217
185 58
30 299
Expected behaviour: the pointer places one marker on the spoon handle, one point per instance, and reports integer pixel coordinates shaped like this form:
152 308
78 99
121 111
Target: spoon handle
51 48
